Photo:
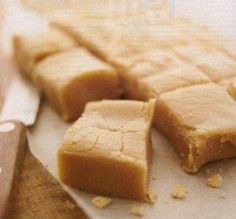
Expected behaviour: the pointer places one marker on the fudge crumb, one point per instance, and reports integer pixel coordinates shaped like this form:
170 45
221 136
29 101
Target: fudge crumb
152 196
215 181
101 202
179 192
137 210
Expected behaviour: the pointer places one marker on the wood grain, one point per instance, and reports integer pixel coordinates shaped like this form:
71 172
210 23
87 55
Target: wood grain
39 195
13 143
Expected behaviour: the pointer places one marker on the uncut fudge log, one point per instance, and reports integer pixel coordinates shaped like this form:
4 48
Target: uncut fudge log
31 48
151 62
108 150
200 121
72 78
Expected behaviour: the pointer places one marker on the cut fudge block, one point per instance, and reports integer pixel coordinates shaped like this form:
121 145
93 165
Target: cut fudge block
200 121
108 150
72 78
30 49
212 62
181 76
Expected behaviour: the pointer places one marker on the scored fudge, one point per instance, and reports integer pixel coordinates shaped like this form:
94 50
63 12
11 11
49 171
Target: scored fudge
72 78
30 49
125 49
108 150
200 121
213 63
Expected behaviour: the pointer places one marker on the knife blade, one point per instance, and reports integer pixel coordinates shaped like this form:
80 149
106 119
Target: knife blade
21 101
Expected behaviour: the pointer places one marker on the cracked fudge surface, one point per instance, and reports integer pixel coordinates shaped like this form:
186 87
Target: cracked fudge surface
108 150
178 64
74 77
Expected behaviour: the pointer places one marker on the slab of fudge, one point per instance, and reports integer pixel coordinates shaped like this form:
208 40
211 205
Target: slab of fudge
108 151
200 121
74 77
136 43
32 48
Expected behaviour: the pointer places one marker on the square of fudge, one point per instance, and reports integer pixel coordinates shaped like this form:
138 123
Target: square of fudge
200 121
212 62
72 78
108 150
181 76
29 49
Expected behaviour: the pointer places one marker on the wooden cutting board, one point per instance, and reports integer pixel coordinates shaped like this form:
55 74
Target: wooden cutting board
38 195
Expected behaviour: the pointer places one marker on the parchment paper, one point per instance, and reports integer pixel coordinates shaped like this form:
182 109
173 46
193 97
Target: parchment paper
201 201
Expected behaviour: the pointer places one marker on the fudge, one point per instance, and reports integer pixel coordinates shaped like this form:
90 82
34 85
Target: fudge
210 61
200 122
30 49
72 78
181 76
108 150
196 97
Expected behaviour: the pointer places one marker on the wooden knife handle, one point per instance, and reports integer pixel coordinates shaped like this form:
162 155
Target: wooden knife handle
13 142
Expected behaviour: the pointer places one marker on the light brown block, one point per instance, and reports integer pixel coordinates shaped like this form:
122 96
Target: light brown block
200 121
212 62
72 78
30 49
108 150
181 76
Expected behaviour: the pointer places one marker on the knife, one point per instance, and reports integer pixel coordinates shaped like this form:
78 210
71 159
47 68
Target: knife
19 110
19 105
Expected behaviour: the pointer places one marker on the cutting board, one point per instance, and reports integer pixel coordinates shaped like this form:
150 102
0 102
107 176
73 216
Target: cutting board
38 195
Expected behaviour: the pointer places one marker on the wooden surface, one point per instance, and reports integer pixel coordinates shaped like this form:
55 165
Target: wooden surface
38 195
13 143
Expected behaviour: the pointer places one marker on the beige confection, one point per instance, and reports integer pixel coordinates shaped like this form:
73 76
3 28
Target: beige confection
196 122
137 210
215 181
72 78
181 76
108 150
179 192
201 123
213 63
101 202
30 49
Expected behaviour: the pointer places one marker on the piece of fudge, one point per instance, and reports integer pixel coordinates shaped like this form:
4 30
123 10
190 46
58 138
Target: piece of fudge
72 78
210 61
30 49
108 150
181 76
200 121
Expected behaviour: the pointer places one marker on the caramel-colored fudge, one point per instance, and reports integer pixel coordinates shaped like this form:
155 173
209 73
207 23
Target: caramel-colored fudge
200 122
30 49
72 78
108 150
210 61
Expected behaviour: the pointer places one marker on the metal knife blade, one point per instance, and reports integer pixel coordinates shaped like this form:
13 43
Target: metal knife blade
21 102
